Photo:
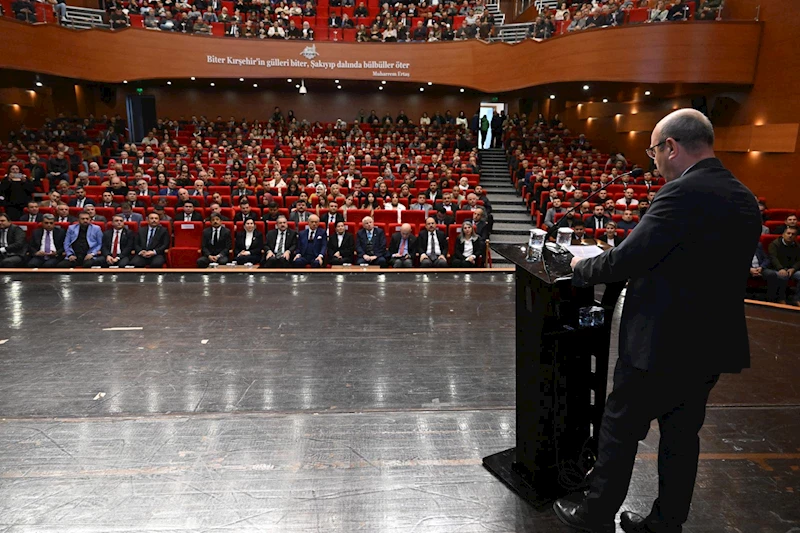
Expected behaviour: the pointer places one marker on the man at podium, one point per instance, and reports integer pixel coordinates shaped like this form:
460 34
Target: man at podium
680 328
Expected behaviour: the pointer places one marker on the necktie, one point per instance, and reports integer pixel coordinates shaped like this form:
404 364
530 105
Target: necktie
431 238
403 247
369 236
149 238
48 246
115 245
280 244
32 218
215 237
310 235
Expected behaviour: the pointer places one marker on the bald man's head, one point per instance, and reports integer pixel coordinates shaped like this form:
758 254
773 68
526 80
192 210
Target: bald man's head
689 127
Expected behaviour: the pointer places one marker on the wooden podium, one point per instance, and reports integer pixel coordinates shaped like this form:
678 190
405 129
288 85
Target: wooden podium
561 381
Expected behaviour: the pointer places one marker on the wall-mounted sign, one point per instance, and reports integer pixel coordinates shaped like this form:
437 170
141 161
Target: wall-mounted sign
310 61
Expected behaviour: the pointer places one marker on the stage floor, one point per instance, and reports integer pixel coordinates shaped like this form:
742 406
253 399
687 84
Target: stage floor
347 402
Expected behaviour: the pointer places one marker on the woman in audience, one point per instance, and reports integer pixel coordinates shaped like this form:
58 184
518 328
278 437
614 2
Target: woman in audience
371 203
390 33
659 13
562 13
469 247
425 120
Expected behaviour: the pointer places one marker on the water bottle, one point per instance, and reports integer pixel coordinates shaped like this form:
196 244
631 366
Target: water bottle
535 244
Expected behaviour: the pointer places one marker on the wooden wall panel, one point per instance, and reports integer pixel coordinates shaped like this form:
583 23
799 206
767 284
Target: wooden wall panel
718 52
643 121
774 138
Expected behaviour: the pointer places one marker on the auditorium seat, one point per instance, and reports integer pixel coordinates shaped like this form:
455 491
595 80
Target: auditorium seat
187 234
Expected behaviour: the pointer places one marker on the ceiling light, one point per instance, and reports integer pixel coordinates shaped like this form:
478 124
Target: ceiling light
552 97
383 82
212 83
255 85
585 87
303 89
297 86
169 83
380 87
647 93
335 81
39 84
462 90
422 89
124 81
605 100
241 79
289 80
193 78
338 86
430 83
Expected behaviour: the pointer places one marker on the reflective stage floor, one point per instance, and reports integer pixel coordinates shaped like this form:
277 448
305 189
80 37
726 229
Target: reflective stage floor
349 402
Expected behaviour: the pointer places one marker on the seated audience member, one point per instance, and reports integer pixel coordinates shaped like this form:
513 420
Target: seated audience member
678 11
152 244
609 234
80 199
790 222
627 201
482 227
421 204
370 244
108 200
47 244
627 223
126 211
57 167
341 245
171 189
579 232
311 245
708 10
33 214
215 209
784 256
245 212
280 245
599 220
760 269
117 247
444 217
299 214
332 217
643 205
470 247
432 246
93 214
62 214
12 243
550 215
402 247
82 243
249 246
271 213
188 213
216 244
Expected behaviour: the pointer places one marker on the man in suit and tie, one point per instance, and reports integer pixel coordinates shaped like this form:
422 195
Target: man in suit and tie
598 220
245 212
118 245
80 199
311 245
81 243
108 200
482 228
332 217
403 247
249 246
370 244
171 189
62 214
341 245
12 243
189 214
432 246
151 244
280 245
133 199
669 357
299 214
128 215
47 244
93 213
421 204
217 244
33 214
334 21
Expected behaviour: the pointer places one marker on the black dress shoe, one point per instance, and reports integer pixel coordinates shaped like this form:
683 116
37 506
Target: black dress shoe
576 516
636 523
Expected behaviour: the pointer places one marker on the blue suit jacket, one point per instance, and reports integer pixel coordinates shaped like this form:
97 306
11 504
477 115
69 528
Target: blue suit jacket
763 258
312 250
378 242
94 235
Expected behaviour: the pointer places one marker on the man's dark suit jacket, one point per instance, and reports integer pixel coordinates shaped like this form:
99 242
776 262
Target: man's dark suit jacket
394 244
181 217
591 222
617 239
26 217
15 241
482 229
346 250
422 242
241 217
271 241
256 247
378 242
58 240
74 202
127 242
310 250
159 243
675 319
326 219
221 247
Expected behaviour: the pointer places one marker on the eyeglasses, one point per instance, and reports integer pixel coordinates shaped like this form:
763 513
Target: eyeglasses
651 152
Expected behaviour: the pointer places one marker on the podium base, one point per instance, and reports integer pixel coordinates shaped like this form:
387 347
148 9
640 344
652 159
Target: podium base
503 466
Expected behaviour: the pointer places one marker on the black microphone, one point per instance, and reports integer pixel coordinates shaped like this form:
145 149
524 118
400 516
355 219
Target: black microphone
552 231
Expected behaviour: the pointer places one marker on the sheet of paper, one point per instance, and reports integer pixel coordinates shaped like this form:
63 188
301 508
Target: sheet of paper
585 251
